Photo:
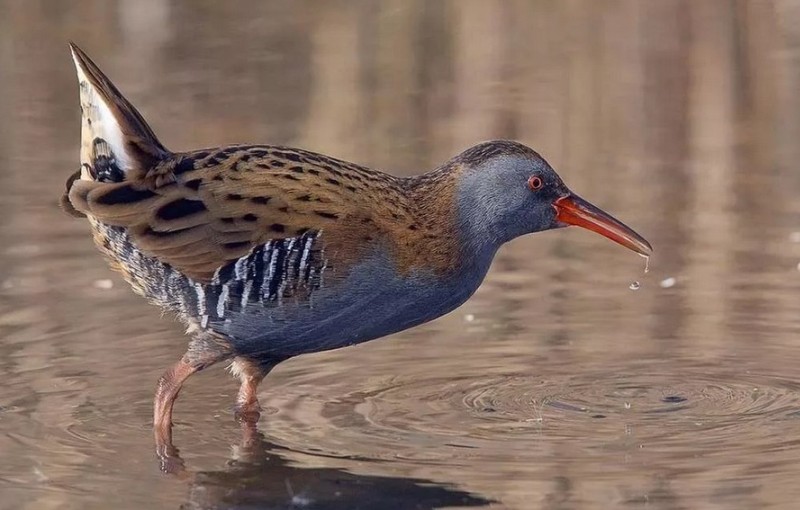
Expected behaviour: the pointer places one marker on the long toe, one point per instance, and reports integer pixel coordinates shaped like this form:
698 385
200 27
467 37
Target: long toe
169 460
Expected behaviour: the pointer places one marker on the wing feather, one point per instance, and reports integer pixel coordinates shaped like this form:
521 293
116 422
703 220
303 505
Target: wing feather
201 217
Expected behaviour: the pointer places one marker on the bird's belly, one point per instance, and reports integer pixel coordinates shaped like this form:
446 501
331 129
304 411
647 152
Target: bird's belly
329 310
371 302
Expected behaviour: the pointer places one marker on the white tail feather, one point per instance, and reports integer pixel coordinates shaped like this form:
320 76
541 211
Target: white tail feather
97 121
116 142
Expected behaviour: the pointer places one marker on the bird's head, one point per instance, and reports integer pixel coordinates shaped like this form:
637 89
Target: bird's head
507 190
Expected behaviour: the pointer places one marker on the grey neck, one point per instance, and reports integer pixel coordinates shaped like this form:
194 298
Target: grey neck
480 218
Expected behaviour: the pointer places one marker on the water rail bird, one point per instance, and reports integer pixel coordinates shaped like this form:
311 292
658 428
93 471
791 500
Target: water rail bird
268 252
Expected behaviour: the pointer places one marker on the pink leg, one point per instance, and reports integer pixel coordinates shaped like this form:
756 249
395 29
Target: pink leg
169 385
250 374
201 354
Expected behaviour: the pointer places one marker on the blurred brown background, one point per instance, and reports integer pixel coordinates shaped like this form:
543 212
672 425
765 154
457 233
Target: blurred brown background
681 117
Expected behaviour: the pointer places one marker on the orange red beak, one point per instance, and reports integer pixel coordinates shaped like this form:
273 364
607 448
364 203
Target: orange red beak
573 210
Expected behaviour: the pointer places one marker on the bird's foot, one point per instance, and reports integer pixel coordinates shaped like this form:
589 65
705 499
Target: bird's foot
248 412
169 460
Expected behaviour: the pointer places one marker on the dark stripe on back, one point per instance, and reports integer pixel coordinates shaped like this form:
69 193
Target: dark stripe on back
180 208
124 195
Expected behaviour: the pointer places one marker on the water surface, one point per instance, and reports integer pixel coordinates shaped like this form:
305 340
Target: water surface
556 386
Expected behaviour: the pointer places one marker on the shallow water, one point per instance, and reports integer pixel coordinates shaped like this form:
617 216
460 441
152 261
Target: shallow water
556 386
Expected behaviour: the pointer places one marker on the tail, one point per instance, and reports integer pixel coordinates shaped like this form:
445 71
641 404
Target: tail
116 142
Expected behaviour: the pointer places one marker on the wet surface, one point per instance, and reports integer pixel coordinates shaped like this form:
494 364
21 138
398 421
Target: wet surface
557 385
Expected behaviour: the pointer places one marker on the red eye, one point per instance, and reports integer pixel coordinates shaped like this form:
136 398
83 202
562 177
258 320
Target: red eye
535 183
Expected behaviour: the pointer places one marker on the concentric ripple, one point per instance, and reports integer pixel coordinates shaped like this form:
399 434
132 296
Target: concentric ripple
689 407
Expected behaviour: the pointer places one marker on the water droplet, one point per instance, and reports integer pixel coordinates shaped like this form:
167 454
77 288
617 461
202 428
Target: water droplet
646 263
40 476
469 317
668 282
635 286
104 284
301 501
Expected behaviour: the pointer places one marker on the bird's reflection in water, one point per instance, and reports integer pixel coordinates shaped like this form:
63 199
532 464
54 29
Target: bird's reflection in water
258 477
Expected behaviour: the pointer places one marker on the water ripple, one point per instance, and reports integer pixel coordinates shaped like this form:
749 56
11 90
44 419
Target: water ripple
669 406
